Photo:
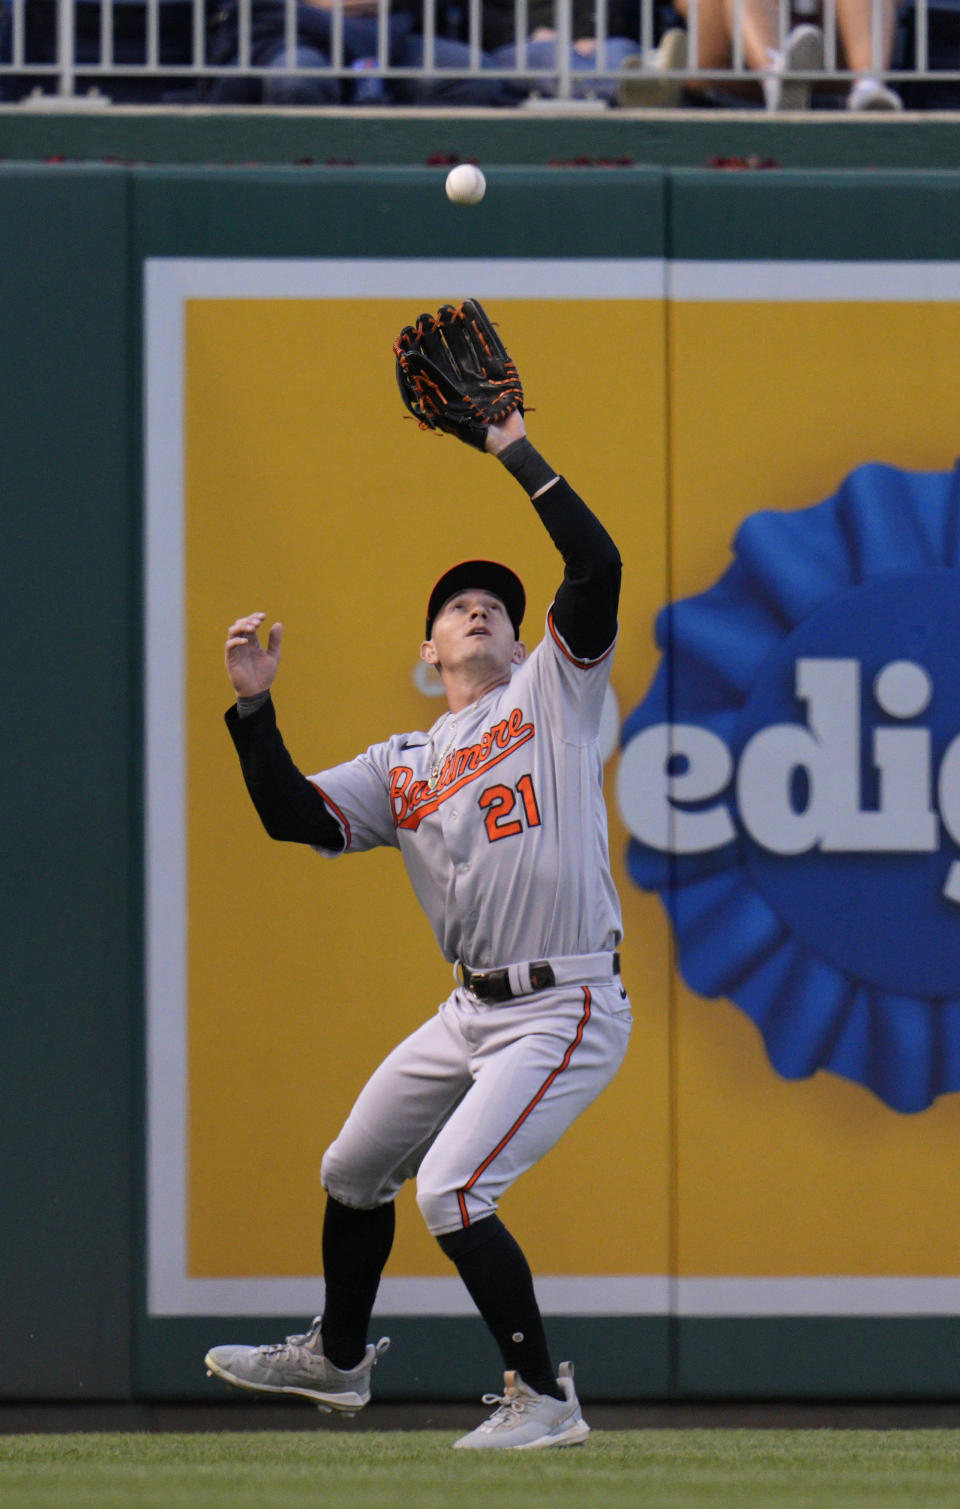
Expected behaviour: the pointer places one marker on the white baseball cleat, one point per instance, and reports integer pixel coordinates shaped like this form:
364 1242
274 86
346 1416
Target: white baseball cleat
525 1421
298 1366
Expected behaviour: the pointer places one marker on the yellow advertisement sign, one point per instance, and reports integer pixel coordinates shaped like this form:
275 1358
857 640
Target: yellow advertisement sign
283 476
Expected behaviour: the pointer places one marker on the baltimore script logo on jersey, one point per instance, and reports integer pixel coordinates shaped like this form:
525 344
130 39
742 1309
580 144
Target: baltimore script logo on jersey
413 800
791 783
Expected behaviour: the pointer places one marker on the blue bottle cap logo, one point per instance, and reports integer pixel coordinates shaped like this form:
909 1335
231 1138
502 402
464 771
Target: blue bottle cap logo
791 783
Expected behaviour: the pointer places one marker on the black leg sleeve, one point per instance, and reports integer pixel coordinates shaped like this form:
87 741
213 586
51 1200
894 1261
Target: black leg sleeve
500 1283
356 1245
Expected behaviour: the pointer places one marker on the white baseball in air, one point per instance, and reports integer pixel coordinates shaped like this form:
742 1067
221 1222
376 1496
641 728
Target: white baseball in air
466 184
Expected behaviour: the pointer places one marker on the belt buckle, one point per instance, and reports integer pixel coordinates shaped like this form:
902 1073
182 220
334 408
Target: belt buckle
480 982
495 986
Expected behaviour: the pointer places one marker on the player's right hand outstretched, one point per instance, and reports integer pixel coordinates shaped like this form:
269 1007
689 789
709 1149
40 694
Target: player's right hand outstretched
250 667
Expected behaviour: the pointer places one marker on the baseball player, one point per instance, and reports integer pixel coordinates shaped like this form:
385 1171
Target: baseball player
499 815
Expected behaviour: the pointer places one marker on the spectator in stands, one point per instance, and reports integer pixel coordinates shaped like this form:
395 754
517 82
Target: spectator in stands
500 43
855 26
775 65
451 51
780 66
314 48
118 32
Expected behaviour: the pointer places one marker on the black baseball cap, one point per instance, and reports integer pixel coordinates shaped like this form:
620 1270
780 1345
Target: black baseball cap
489 576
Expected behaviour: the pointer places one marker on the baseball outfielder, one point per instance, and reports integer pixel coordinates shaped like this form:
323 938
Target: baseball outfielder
498 813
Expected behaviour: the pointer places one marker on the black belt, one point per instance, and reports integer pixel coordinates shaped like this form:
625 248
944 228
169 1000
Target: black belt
494 984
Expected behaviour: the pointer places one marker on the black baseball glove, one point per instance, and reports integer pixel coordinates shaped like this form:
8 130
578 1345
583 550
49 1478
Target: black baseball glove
454 373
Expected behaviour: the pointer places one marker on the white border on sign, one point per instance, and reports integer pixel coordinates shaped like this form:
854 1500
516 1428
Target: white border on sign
815 282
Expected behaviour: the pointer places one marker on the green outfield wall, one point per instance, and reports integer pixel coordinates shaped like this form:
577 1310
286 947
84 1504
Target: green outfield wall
76 1321
411 138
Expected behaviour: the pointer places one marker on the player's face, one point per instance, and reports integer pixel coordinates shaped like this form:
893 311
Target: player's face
473 626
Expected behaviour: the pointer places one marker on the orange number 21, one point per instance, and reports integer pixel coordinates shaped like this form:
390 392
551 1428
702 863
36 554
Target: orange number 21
499 801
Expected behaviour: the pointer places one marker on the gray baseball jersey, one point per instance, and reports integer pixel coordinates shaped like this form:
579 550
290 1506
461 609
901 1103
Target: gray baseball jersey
498 812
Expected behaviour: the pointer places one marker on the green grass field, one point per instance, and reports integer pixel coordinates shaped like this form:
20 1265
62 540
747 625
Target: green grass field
666 1469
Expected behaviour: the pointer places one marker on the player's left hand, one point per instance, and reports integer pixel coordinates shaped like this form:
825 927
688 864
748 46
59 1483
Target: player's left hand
455 375
499 436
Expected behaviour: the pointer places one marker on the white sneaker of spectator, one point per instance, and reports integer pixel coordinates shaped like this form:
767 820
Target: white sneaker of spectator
870 94
645 81
802 52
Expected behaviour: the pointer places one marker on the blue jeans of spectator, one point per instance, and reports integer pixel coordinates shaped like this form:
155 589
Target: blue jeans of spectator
543 55
289 88
447 53
282 85
286 87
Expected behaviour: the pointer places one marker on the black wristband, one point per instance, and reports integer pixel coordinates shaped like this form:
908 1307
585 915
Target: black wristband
527 465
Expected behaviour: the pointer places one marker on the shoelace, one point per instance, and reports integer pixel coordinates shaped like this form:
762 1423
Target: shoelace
510 1405
292 1343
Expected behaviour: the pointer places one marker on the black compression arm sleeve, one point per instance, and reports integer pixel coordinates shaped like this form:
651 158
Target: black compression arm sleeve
585 607
290 806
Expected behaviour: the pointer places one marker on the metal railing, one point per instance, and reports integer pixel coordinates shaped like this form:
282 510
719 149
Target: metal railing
86 51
